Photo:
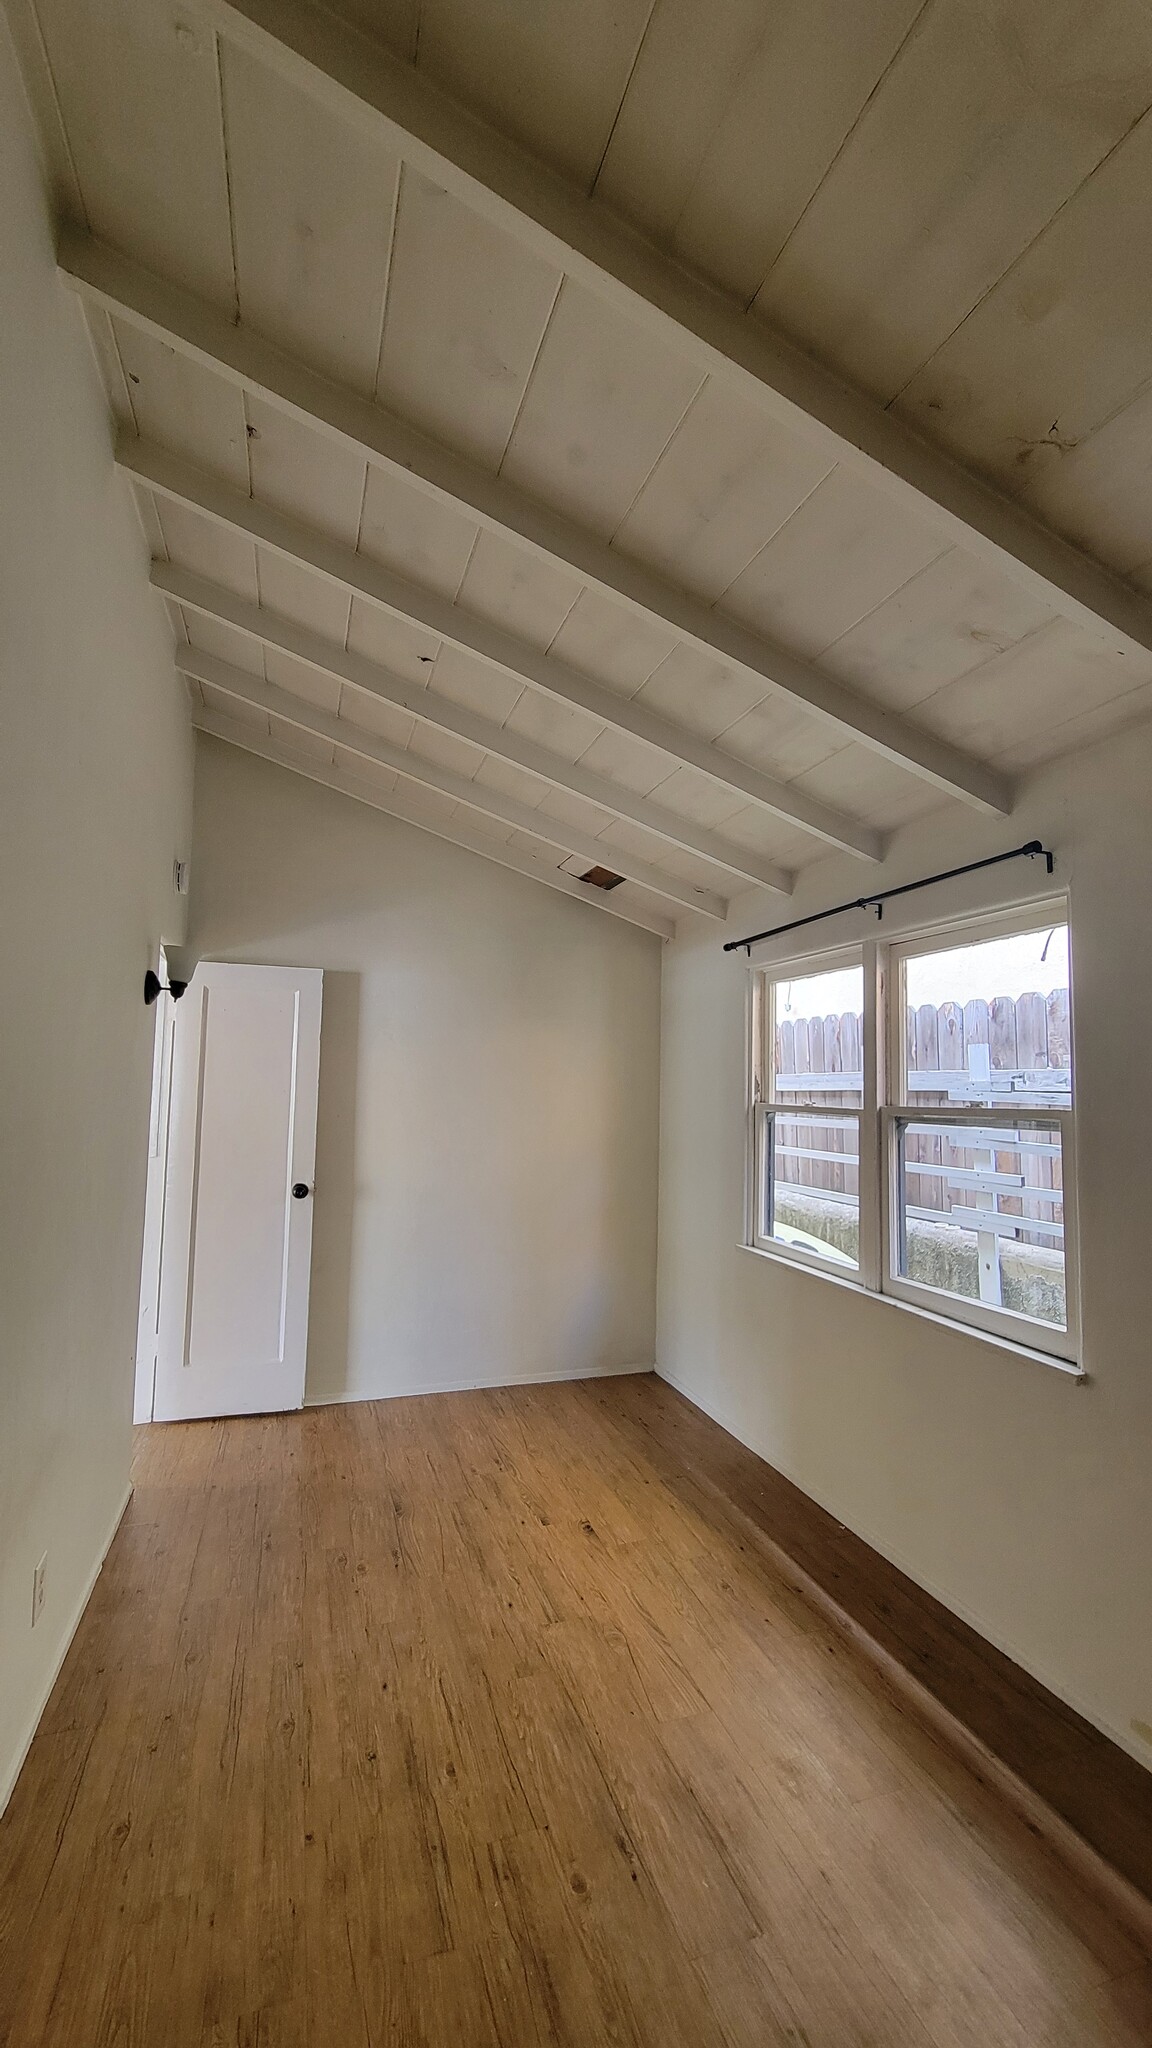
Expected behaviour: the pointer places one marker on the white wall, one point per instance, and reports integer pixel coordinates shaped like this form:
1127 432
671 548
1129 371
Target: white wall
95 795
1022 1499
489 1089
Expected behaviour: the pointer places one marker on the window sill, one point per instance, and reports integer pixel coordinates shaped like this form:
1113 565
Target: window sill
1067 1366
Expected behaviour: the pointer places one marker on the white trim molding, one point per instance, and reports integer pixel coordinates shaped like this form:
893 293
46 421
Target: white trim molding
473 1385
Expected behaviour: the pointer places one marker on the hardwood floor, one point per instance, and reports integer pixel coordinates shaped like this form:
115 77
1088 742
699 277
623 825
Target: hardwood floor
477 1722
1074 1772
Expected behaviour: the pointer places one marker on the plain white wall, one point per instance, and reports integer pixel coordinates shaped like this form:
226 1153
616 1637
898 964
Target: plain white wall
489 1089
95 802
1022 1499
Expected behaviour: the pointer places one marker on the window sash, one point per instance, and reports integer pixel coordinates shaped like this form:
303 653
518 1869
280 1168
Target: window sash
994 1318
766 1116
972 932
768 1087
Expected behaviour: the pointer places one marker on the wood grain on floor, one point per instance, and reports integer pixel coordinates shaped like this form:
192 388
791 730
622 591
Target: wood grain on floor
475 1722
1076 1772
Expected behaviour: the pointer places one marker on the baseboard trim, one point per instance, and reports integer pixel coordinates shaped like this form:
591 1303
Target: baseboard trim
475 1386
1088 1860
8 1782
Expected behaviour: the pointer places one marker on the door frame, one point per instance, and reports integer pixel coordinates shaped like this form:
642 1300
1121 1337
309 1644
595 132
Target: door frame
155 1201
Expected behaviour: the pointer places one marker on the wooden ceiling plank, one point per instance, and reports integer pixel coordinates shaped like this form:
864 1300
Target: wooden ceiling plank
237 734
180 401
248 359
1059 347
223 641
605 399
980 138
816 64
727 481
877 546
268 629
138 89
312 203
488 642
553 76
308 475
458 150
342 732
467 308
683 85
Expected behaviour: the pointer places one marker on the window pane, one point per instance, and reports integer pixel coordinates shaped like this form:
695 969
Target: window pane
981 1214
811 1195
818 1039
990 1022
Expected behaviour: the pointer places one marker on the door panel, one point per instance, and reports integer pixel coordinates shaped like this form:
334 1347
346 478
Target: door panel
148 1326
237 1244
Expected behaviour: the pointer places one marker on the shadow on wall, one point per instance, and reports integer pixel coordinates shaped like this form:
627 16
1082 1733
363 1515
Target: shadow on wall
334 1214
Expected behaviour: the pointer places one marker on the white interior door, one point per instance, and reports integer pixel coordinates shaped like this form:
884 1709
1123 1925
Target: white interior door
233 1324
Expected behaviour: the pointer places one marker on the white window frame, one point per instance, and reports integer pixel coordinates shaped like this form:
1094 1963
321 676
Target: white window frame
884 1109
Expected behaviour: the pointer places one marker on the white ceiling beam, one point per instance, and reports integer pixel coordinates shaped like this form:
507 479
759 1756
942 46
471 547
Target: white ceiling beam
382 94
311 718
245 358
269 629
457 832
494 645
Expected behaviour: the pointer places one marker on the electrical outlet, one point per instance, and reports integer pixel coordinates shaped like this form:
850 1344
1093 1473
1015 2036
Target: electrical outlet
38 1589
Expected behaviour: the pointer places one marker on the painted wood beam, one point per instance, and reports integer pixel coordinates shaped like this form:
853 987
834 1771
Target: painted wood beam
311 718
491 644
271 630
456 832
382 94
245 358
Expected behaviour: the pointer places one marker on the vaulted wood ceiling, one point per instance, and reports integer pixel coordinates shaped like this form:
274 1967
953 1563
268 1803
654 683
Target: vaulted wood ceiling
733 444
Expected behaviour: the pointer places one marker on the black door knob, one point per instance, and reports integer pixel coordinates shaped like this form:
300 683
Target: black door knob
300 1188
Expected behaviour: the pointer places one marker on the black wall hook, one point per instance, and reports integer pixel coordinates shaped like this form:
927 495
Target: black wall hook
153 987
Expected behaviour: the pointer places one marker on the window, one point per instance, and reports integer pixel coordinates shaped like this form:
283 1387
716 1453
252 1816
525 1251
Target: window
939 1172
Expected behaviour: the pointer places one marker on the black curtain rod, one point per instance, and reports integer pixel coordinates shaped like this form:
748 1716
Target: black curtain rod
1033 851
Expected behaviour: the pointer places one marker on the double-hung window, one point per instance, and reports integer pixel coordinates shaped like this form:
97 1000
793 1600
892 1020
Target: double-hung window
911 1124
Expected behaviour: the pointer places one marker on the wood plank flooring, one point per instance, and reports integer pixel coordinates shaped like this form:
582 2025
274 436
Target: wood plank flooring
477 1722
1075 1771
